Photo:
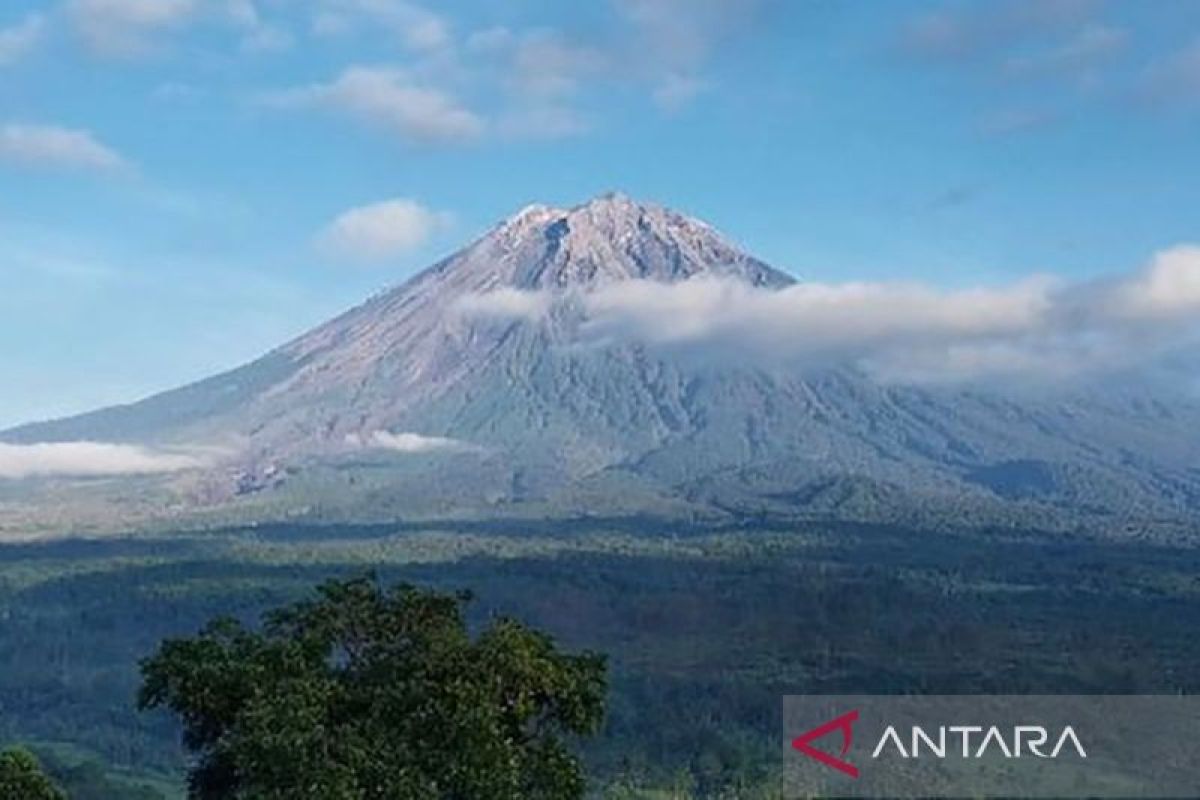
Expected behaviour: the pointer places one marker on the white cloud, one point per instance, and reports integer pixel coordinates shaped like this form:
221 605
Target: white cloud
410 443
89 459
382 230
258 35
811 319
1035 328
660 46
134 28
18 40
128 27
52 146
1166 290
520 83
414 26
505 304
389 98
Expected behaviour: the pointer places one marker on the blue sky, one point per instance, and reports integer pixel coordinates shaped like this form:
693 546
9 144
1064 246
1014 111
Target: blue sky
185 184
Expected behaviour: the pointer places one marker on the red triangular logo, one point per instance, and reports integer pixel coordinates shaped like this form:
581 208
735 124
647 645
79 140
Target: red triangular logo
845 724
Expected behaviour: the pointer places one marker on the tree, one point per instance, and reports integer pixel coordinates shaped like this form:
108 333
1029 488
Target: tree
366 692
21 778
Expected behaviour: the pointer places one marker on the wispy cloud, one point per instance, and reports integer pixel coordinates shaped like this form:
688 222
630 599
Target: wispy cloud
413 25
447 87
542 121
409 443
974 31
90 459
389 98
382 230
674 41
1063 47
19 40
538 74
53 146
505 304
663 45
675 91
1011 121
1077 55
137 28
546 64
1174 80
128 27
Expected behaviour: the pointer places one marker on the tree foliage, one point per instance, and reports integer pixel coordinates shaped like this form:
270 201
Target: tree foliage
366 692
21 778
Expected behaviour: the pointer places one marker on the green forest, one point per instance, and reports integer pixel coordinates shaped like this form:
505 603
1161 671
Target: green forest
703 629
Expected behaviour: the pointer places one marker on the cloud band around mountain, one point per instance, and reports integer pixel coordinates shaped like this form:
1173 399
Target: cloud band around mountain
908 332
405 442
90 459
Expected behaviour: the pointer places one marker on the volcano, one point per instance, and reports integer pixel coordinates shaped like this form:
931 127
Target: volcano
457 392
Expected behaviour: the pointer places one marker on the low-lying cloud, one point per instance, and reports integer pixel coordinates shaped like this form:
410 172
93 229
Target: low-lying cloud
505 304
90 459
1040 327
409 443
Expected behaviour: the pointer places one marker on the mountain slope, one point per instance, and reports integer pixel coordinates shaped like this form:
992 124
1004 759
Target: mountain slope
448 410
370 366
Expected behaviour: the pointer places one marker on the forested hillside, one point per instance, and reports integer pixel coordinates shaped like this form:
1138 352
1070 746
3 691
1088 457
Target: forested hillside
705 628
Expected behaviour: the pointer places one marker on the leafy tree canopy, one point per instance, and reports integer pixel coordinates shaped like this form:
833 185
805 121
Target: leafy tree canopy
366 692
21 778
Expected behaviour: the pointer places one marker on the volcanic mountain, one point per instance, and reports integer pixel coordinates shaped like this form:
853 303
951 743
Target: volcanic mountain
464 391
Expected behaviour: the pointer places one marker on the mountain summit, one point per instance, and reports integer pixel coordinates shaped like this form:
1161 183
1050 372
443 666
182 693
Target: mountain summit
410 405
608 239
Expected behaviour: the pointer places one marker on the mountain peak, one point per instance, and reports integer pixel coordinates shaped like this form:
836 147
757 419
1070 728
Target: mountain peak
532 214
610 205
613 200
610 237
